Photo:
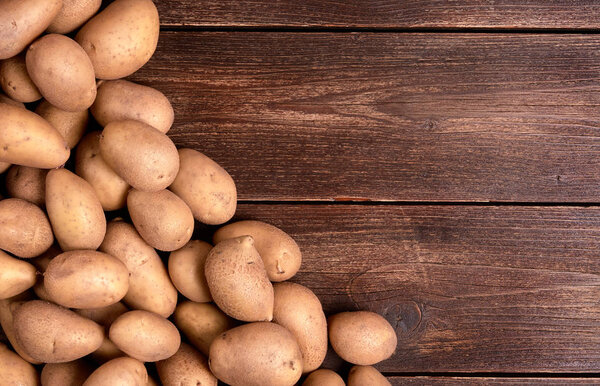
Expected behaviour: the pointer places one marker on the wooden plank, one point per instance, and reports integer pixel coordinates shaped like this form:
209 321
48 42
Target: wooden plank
435 117
382 13
468 288
472 381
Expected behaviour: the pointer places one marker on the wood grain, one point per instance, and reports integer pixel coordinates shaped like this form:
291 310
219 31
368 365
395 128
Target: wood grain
578 14
364 116
471 381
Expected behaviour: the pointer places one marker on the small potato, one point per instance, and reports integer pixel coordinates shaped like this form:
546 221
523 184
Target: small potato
324 377
186 269
280 253
15 80
53 334
14 370
256 354
106 352
362 337
366 375
145 336
66 374
119 100
16 276
104 315
119 371
151 165
27 184
24 228
73 14
7 307
8 101
70 124
29 140
206 187
201 323
187 367
74 210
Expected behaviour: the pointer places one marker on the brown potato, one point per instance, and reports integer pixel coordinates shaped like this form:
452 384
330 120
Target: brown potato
151 165
362 337
27 184
145 336
256 354
187 367
41 263
71 85
52 334
324 377
238 281
299 310
8 101
106 352
104 315
27 19
14 370
73 14
66 374
206 187
24 228
201 323
7 307
119 371
186 269
15 80
121 38
366 375
16 276
4 166
74 210
280 253
70 124
29 140
119 100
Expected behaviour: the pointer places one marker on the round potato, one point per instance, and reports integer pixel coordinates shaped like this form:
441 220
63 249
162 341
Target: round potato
324 377
22 21
362 337
119 371
206 187
73 14
15 80
53 334
27 184
151 165
29 140
14 370
121 38
70 124
366 375
201 323
66 374
256 354
186 367
7 307
186 269
8 101
280 253
24 228
145 336
119 100
16 276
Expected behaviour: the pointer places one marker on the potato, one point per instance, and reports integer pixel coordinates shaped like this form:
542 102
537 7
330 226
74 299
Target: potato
41 263
366 375
145 336
106 352
27 184
14 370
299 310
29 140
206 187
279 251
362 337
104 315
86 279
186 269
73 14
7 307
53 334
150 288
151 165
62 72
24 228
119 371
22 21
121 38
74 210
201 323
8 101
16 276
187 367
119 100
256 354
238 281
70 124
89 165
66 374
15 80
324 377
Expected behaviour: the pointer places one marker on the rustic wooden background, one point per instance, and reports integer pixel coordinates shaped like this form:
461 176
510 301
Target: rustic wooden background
438 161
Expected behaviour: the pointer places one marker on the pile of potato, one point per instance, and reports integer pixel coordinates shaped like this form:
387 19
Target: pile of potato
101 294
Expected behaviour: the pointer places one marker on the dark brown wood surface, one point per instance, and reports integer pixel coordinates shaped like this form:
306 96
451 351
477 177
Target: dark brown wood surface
470 381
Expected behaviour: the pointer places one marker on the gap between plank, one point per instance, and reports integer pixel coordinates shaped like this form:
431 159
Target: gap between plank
420 203
490 375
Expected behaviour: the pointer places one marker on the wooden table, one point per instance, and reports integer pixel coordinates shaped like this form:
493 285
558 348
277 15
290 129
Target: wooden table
438 162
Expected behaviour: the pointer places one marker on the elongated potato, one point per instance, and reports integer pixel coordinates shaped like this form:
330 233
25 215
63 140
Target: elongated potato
324 377
27 184
15 80
29 140
7 307
9 101
119 371
70 124
366 375
186 269
66 374
16 276
73 14
14 370
24 228
186 367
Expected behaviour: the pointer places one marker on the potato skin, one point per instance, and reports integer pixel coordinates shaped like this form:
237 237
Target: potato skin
324 377
127 30
256 354
280 253
362 337
104 316
151 165
24 228
53 334
70 124
145 336
7 306
119 371
41 263
28 139
206 187
73 14
187 367
16 276
366 375
9 101
106 352
66 374
15 80
14 370
119 100
72 85
27 184
186 269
